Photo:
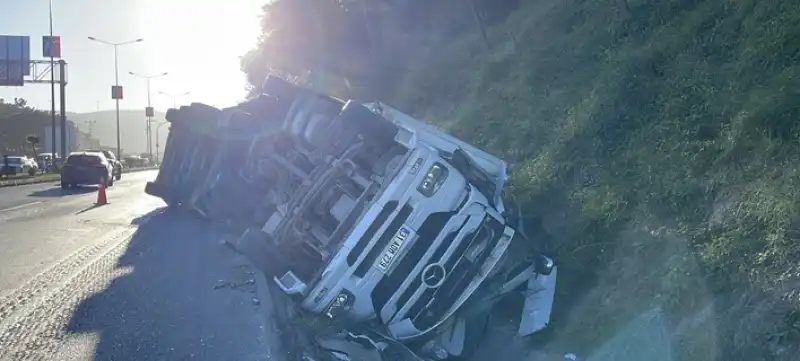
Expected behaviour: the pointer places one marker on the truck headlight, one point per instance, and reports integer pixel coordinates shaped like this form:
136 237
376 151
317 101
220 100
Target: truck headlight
340 304
433 180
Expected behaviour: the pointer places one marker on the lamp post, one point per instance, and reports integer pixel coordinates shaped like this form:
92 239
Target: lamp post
174 97
53 93
116 78
158 127
149 115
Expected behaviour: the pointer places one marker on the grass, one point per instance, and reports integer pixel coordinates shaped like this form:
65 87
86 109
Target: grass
27 179
662 151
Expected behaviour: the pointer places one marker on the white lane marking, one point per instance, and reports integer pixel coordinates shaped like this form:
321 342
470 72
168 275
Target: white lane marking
20 206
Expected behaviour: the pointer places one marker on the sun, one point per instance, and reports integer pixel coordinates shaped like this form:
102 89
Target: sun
200 42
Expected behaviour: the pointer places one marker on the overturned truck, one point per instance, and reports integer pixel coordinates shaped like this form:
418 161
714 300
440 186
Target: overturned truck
359 213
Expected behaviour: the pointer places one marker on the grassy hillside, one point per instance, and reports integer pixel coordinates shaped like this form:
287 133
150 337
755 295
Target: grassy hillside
132 128
662 149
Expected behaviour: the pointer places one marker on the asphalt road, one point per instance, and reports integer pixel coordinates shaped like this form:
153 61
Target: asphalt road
124 281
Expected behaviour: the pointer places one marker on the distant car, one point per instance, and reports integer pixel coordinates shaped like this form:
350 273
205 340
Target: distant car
87 168
136 161
19 165
118 166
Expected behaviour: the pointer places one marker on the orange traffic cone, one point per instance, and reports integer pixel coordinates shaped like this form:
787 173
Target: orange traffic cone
101 194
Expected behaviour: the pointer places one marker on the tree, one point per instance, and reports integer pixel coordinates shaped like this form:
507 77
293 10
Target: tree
359 48
310 39
34 140
20 103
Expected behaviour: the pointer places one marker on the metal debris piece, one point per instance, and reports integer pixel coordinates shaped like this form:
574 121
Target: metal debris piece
538 303
222 284
349 350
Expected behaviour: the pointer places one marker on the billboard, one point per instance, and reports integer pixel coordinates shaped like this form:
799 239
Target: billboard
15 58
51 46
116 92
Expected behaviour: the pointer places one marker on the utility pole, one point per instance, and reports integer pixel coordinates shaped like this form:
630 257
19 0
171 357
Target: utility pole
90 123
174 98
52 91
149 110
116 81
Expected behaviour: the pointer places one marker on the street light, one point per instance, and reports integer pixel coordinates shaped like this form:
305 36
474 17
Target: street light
158 162
53 93
174 97
147 129
116 78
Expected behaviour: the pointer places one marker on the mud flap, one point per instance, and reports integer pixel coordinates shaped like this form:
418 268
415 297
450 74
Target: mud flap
538 302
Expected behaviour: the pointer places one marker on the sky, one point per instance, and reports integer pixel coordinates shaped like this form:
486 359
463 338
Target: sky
197 42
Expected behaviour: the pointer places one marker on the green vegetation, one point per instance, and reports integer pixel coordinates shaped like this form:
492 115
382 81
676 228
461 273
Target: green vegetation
661 145
18 122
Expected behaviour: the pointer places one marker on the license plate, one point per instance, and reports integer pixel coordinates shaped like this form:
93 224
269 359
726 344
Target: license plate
393 249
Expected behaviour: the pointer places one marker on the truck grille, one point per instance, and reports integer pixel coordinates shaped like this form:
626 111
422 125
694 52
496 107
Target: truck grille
376 224
388 233
434 302
391 284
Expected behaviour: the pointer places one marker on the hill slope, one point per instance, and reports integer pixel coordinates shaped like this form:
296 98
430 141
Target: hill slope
661 150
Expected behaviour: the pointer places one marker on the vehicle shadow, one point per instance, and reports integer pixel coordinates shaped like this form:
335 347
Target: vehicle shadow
59 192
182 296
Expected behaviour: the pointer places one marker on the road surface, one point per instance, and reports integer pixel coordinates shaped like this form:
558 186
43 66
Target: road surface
124 281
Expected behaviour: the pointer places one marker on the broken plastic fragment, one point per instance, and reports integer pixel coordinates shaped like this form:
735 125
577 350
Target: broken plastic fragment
538 302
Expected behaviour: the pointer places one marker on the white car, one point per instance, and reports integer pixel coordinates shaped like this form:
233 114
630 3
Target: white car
22 165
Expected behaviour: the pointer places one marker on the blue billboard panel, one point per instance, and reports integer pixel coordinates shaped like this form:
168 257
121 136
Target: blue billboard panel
15 58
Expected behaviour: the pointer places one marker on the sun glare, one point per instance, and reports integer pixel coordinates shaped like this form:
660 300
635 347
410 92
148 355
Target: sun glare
199 42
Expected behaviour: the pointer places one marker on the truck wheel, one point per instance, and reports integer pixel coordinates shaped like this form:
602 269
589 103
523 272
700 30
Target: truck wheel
64 185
